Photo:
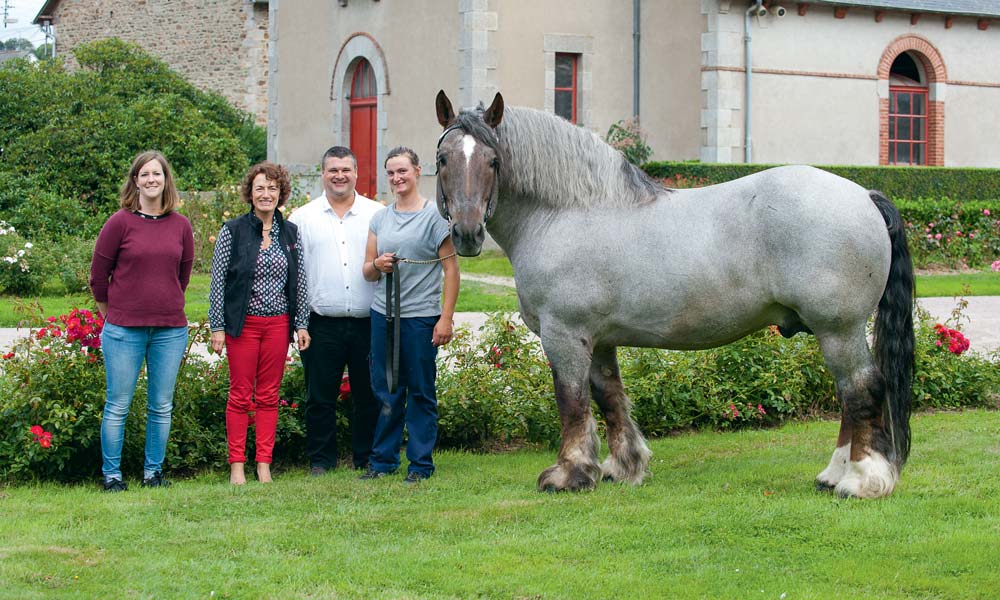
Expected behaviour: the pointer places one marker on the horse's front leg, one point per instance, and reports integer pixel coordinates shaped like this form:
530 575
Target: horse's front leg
628 454
577 467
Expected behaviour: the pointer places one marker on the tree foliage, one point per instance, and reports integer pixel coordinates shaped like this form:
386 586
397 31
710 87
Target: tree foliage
73 134
16 44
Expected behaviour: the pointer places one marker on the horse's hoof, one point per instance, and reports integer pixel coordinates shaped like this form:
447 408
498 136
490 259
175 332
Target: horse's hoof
870 477
823 486
608 478
574 479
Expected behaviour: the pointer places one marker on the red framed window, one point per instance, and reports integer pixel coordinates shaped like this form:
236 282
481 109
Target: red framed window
566 85
907 126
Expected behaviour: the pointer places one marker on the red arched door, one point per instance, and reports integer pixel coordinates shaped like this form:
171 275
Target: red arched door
364 106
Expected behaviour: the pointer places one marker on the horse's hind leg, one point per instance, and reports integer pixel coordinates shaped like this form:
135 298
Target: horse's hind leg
628 455
577 467
860 465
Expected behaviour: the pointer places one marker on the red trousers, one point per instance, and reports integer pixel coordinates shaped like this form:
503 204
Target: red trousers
256 364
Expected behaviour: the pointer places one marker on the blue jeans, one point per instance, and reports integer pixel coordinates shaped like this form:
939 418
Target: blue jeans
125 349
415 396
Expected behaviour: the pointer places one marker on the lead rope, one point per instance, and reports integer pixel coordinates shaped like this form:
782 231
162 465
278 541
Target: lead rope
392 312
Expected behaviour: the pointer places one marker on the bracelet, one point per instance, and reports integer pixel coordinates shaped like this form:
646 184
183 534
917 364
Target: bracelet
374 267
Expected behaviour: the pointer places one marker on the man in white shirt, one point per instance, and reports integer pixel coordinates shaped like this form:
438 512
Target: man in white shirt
334 229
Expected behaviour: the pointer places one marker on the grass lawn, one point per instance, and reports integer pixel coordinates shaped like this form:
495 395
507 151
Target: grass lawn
725 515
472 297
983 283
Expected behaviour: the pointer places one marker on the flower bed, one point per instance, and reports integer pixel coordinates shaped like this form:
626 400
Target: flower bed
494 391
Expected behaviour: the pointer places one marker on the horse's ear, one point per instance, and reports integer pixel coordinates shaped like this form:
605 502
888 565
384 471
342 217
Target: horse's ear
445 113
494 114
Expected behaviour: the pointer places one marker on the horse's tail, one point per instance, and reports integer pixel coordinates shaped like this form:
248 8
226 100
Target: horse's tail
894 339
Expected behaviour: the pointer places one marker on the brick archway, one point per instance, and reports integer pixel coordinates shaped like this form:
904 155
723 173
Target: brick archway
934 70
357 47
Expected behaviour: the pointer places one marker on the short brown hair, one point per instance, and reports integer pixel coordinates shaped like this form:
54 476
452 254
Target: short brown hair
402 151
274 173
128 197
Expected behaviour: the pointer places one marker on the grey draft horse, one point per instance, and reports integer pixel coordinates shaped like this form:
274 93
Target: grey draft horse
604 257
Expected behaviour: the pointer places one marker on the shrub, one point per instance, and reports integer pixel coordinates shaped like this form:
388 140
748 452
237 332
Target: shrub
951 233
626 137
896 182
942 232
20 272
494 391
71 257
207 211
74 133
53 379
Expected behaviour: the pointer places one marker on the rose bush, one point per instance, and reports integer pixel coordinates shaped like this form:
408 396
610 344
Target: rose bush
494 392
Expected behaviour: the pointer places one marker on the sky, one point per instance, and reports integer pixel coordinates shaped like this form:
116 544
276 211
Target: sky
24 11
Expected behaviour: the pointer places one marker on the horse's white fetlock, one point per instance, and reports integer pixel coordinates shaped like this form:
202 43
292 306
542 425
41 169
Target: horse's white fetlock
836 470
871 477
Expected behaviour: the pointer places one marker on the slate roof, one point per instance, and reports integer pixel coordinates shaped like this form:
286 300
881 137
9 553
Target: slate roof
977 8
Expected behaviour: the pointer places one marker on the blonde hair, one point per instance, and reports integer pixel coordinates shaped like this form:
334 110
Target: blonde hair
128 198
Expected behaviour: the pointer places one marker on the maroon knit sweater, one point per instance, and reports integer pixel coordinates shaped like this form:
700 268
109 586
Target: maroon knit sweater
141 268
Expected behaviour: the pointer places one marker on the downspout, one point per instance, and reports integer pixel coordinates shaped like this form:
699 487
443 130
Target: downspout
747 147
635 59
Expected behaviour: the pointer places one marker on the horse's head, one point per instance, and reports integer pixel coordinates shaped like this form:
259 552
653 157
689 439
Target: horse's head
468 171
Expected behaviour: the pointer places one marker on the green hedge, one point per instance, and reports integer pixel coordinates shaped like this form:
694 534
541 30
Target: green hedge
942 231
896 182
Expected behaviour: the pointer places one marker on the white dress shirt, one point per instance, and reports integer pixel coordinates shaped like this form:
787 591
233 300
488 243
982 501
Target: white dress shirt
333 252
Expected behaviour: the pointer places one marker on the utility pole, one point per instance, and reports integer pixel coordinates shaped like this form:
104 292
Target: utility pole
7 19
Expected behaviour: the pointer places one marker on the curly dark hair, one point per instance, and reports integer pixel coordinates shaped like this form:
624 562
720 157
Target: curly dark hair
273 172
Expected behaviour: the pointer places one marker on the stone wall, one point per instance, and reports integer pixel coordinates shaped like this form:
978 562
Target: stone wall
218 45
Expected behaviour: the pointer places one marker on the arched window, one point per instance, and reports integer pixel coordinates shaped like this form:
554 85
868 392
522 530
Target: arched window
912 79
364 132
907 112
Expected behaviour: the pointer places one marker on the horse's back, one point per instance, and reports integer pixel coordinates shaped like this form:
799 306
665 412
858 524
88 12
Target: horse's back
702 267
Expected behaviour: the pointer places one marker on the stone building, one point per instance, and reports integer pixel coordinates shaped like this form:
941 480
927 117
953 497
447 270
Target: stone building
218 45
831 81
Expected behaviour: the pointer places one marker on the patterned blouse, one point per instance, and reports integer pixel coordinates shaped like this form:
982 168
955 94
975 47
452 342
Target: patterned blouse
267 293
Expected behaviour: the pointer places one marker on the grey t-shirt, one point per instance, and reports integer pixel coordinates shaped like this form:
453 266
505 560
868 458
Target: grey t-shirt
415 235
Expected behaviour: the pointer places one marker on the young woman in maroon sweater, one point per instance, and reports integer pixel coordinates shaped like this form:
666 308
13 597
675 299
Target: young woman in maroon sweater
141 267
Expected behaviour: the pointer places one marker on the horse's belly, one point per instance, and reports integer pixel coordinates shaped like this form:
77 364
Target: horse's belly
690 328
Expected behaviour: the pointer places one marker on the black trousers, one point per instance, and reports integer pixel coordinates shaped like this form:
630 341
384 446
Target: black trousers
336 342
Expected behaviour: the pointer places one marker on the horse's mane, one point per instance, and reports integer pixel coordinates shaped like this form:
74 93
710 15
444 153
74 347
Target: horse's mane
559 164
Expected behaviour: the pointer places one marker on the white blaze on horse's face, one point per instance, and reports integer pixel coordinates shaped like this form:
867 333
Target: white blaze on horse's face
468 146
466 184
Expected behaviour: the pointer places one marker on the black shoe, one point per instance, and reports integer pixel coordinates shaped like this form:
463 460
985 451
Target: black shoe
373 474
414 477
115 485
362 466
317 471
156 480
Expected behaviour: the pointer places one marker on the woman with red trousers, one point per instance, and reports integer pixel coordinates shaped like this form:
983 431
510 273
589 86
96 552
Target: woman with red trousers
258 304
